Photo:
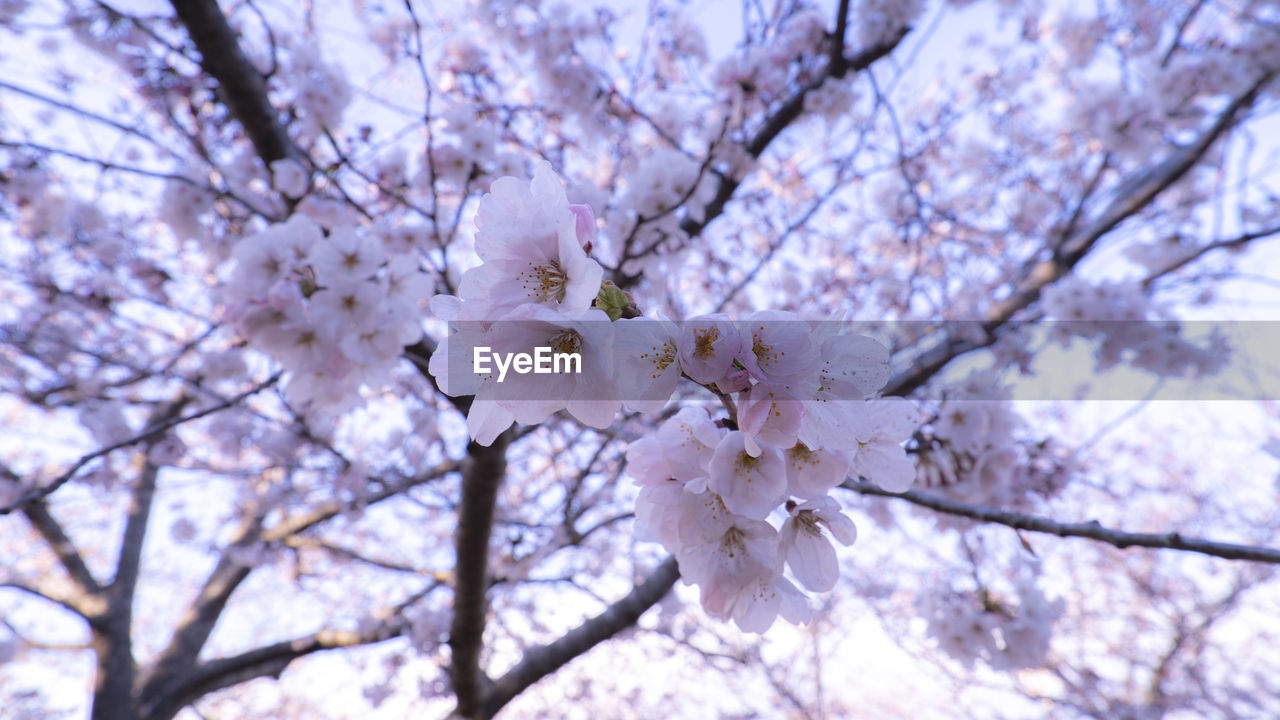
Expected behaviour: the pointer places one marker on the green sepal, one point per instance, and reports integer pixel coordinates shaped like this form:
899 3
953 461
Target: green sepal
612 300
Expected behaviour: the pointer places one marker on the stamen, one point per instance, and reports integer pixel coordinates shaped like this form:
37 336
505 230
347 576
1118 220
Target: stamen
545 282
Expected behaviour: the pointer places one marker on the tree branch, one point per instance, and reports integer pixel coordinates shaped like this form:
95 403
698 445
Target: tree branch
542 660
1197 253
266 661
170 681
239 83
836 58
838 66
113 635
178 659
85 113
129 560
1211 613
1093 529
480 481
295 524
150 433
1135 194
85 606
779 121
420 354
42 520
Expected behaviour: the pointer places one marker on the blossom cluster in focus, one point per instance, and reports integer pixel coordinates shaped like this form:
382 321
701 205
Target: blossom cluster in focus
799 395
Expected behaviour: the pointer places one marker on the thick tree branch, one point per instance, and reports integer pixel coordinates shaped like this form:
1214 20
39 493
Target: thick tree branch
240 84
178 659
172 681
88 598
1135 194
1093 529
540 661
38 513
837 37
481 478
838 66
113 697
115 668
129 560
85 606
266 661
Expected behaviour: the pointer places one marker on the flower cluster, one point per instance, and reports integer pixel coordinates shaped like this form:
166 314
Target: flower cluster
534 288
974 451
321 92
880 20
707 498
805 420
760 76
1117 316
336 310
799 395
1007 632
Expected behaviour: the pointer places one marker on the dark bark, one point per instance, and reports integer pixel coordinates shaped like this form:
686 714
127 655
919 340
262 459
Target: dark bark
265 661
50 529
180 657
113 697
481 478
115 670
539 662
240 85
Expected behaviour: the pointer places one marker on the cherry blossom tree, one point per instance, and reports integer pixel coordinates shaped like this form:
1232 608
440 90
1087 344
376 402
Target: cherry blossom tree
811 259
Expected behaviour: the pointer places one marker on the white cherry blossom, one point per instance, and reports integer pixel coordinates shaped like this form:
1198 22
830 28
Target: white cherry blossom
777 346
588 393
769 414
289 177
878 435
851 367
751 485
528 240
689 441
811 473
805 547
647 362
708 346
347 256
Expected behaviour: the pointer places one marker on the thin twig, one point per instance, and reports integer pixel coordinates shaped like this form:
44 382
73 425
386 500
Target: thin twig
1092 529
